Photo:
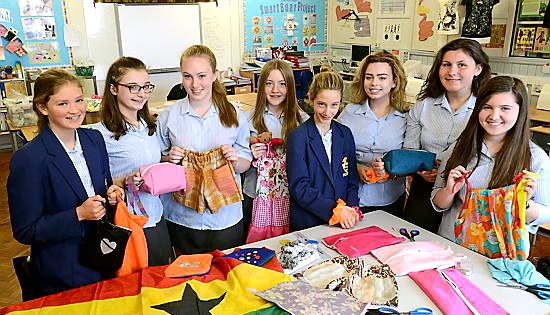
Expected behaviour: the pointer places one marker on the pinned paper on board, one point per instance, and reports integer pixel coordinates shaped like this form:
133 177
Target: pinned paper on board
391 32
5 15
2 54
35 8
43 52
448 17
542 40
3 30
363 6
525 38
14 44
39 28
362 27
425 28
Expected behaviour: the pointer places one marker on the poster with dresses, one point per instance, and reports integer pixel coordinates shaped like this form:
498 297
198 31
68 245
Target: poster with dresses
542 40
275 23
525 38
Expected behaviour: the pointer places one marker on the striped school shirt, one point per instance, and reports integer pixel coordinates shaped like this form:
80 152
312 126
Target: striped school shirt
180 125
375 137
480 177
432 125
126 155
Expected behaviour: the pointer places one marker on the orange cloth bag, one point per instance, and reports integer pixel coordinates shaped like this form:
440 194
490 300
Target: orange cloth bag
136 256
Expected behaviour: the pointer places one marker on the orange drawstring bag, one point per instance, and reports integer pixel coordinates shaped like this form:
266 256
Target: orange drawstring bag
136 256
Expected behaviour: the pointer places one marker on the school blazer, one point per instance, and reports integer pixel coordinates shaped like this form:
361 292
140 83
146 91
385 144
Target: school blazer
313 183
44 190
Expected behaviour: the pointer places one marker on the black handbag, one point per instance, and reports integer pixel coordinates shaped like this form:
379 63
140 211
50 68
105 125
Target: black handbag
403 162
104 247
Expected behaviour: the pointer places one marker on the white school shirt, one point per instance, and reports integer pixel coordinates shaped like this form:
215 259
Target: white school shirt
432 125
375 137
180 126
480 177
79 161
126 155
327 142
273 124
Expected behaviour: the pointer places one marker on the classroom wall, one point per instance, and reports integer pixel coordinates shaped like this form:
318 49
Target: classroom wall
342 36
96 25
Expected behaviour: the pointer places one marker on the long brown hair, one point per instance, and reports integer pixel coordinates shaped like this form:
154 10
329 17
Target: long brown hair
48 84
228 113
433 88
397 94
514 154
110 113
291 110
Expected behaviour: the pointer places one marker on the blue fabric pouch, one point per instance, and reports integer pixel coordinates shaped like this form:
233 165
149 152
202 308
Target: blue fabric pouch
405 162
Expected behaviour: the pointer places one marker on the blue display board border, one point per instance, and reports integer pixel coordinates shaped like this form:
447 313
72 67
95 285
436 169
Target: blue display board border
266 24
16 23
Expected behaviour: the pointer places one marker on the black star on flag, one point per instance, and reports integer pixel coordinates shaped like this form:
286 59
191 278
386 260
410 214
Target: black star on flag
190 303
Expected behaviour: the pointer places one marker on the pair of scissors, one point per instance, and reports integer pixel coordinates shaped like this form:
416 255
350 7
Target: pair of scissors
388 310
414 233
542 291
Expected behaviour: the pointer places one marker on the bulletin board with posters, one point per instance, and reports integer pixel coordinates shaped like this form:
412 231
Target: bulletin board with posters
274 23
39 40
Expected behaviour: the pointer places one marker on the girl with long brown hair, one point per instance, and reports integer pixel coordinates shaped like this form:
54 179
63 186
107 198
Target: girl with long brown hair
493 148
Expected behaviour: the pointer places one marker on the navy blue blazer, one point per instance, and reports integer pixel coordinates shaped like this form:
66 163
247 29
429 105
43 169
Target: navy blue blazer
44 190
313 182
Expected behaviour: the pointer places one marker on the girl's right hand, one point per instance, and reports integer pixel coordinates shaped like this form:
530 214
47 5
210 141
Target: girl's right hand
362 170
455 180
176 154
348 217
91 209
258 149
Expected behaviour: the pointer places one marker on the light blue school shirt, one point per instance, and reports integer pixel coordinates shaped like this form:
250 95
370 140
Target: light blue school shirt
480 178
79 161
432 125
273 124
180 126
126 155
375 137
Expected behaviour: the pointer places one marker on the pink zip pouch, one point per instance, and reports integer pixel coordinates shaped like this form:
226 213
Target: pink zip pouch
161 178
360 242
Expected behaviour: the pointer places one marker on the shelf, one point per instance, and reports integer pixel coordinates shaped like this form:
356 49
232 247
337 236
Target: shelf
530 22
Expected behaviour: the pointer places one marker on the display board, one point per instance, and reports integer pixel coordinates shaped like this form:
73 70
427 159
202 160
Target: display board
39 41
158 34
274 23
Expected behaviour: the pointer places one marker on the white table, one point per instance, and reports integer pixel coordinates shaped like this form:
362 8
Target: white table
515 301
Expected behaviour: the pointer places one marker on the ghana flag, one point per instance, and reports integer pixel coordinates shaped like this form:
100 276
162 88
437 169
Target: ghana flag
226 290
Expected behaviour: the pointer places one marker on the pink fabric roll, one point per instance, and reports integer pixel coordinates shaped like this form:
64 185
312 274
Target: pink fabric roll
447 300
361 242
416 256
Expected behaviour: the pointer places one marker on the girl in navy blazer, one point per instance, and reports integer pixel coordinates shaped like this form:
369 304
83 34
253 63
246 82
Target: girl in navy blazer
58 185
321 162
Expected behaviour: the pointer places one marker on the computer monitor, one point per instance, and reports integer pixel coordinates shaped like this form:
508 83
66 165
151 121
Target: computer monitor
359 52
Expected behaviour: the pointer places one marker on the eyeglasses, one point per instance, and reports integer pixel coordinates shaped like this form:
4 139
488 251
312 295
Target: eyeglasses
135 88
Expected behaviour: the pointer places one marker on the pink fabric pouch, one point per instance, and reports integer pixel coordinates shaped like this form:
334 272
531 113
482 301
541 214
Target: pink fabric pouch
161 178
447 300
416 256
360 242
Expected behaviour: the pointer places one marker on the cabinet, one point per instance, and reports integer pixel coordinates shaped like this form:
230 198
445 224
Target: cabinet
530 38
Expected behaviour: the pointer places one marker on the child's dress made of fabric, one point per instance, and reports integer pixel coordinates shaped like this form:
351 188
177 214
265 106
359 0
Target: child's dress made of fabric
492 221
271 207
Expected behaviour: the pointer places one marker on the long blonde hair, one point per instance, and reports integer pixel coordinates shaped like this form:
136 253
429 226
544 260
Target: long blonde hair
228 113
291 110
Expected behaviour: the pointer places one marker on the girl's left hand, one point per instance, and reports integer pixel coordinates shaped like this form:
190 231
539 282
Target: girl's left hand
112 192
531 185
229 152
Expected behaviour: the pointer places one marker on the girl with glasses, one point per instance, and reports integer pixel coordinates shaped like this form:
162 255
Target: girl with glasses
129 132
209 136
58 185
